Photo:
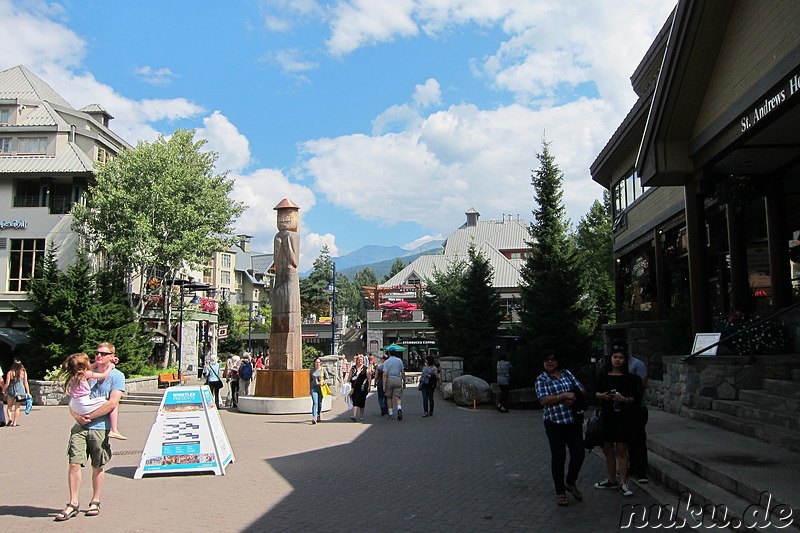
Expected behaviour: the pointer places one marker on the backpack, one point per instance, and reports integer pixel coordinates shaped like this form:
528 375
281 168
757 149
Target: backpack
246 371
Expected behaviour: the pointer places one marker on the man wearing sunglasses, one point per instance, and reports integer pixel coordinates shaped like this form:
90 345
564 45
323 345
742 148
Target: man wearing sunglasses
89 438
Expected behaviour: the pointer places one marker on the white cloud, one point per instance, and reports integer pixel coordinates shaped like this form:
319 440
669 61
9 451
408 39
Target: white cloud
311 245
290 61
413 245
459 158
155 76
224 138
33 40
427 94
363 22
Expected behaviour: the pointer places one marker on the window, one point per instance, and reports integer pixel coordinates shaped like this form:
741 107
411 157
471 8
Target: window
226 260
5 145
24 261
225 277
102 155
4 116
626 191
256 295
32 145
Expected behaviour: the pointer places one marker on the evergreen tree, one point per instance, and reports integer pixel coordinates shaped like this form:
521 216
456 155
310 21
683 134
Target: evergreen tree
74 311
314 297
595 244
364 278
553 313
463 307
397 266
233 343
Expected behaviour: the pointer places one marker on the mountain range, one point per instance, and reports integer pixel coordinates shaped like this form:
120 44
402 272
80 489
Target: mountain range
380 258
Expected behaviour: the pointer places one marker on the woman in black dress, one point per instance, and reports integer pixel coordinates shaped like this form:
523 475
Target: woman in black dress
359 382
621 394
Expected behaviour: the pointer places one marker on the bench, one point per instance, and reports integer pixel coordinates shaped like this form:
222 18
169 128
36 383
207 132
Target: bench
168 380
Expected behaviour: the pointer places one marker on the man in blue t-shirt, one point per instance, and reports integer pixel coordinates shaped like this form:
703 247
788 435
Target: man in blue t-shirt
89 438
394 379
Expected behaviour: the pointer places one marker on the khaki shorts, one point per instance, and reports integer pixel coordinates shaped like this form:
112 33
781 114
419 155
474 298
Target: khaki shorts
394 388
88 444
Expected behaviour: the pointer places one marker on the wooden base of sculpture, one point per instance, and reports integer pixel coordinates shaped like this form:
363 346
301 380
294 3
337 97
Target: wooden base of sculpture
282 383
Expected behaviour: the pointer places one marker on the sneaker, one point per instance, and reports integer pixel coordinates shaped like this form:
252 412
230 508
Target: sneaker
626 490
313 421
643 480
319 419
353 418
606 484
391 417
399 414
361 419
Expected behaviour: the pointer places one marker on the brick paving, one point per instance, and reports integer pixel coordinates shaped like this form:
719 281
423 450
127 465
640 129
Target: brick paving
461 470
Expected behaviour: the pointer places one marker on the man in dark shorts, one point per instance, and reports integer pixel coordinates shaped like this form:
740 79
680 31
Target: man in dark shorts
89 440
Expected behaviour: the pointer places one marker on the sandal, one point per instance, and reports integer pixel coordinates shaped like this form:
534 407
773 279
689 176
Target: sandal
572 489
94 509
562 500
67 514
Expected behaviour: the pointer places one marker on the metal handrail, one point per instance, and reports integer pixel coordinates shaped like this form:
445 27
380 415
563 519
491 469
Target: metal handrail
737 333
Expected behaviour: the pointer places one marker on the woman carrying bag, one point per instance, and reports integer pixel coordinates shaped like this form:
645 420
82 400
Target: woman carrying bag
17 392
213 378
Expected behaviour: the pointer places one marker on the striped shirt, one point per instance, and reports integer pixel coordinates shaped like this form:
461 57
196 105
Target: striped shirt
547 385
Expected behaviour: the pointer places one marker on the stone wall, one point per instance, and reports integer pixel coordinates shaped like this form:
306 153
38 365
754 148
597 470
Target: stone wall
450 368
52 392
697 383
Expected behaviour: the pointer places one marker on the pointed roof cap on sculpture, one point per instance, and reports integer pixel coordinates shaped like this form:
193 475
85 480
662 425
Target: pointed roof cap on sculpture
286 204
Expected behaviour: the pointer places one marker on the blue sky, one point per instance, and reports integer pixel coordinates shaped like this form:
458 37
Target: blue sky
385 120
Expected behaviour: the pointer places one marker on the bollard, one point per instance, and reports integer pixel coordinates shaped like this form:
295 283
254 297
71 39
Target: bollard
474 404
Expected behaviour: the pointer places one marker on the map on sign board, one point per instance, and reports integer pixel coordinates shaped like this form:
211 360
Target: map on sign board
187 435
704 340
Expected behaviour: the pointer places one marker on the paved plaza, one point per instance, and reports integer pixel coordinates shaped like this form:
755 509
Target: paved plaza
461 470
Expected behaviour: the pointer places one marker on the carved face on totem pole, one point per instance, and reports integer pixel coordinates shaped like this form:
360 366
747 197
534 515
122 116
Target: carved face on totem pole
288 219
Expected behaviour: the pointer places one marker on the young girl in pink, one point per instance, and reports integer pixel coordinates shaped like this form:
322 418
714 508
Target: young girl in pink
78 370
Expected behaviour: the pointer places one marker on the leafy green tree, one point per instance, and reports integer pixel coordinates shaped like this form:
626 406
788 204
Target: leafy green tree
233 343
156 208
397 266
595 244
552 291
464 309
309 354
314 298
348 297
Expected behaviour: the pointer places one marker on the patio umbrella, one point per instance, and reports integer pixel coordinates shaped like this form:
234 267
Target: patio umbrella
402 304
394 347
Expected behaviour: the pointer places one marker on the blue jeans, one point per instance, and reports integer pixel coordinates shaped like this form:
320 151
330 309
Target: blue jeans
316 402
382 399
427 399
561 437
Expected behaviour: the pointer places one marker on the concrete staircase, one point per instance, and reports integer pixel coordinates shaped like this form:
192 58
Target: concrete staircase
738 453
771 414
143 398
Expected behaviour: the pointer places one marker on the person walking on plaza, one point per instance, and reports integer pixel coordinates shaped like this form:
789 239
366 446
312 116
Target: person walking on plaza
359 379
245 375
620 392
232 375
379 386
554 389
503 382
427 384
318 377
394 379
213 378
16 390
637 445
89 440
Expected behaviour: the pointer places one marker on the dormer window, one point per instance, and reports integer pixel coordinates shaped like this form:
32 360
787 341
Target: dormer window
102 155
4 114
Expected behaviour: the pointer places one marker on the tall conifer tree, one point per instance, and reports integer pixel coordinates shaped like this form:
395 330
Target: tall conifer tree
553 313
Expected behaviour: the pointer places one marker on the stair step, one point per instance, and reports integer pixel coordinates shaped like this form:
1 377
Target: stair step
695 454
779 436
134 401
783 387
694 492
796 374
769 399
752 411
